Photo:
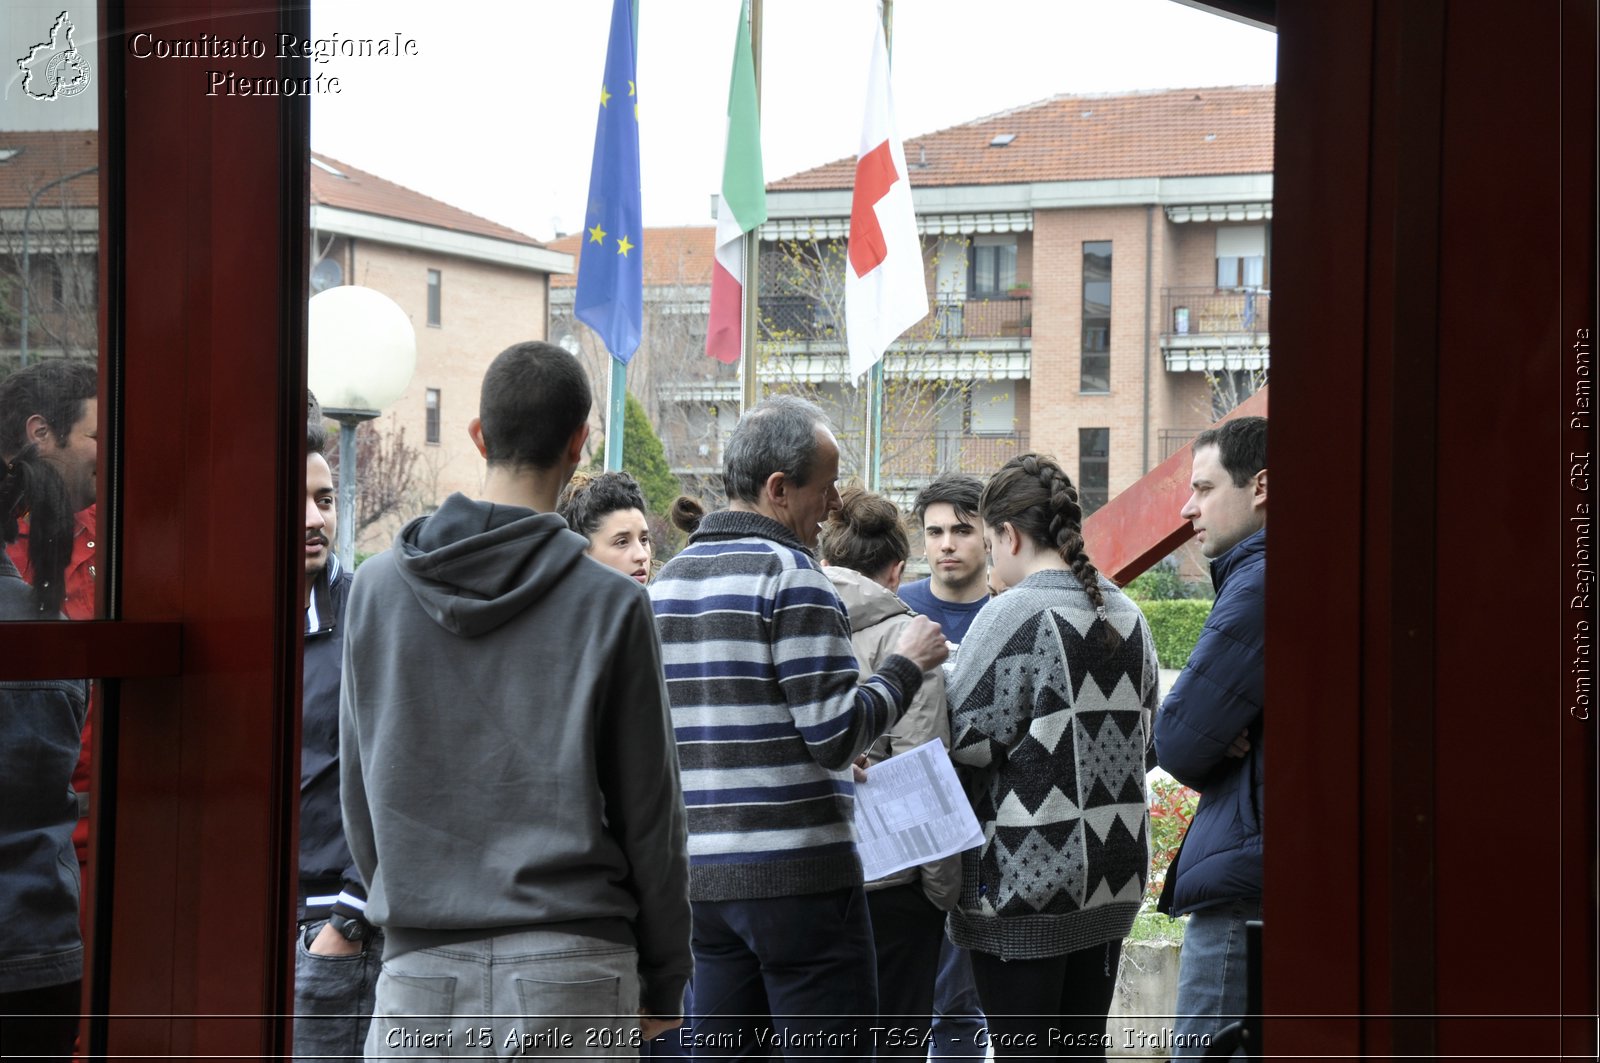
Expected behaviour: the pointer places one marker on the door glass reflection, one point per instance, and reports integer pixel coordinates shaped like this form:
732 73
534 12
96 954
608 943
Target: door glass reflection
50 348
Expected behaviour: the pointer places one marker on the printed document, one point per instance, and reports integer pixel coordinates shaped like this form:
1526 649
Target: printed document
912 810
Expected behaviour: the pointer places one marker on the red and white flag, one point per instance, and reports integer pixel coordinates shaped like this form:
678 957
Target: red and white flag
742 204
885 289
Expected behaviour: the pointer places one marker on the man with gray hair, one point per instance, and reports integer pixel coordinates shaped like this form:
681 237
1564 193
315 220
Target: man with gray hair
769 711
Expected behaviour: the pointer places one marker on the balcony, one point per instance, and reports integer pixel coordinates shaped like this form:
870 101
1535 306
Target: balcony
916 457
802 318
909 458
1212 329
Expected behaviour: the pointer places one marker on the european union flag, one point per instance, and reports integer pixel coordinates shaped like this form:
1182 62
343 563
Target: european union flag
610 296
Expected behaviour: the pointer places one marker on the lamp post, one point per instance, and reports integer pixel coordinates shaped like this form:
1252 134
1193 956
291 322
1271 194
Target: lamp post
363 350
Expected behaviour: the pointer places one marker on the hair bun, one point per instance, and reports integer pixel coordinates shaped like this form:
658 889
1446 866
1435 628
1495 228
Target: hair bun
686 514
867 514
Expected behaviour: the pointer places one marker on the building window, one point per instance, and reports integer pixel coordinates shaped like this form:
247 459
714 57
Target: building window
1094 468
1094 374
1242 256
430 425
994 265
434 299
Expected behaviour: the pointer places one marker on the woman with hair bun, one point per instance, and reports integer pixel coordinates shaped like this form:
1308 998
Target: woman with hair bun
1051 705
609 509
864 546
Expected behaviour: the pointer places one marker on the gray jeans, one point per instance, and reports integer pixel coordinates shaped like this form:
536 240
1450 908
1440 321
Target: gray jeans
540 994
332 997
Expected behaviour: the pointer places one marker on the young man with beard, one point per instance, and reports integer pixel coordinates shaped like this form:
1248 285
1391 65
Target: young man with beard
336 949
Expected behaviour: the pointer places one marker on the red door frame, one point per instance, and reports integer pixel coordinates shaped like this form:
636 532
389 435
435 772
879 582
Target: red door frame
203 208
1435 804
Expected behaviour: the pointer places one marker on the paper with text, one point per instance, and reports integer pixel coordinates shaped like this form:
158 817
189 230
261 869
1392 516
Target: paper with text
912 810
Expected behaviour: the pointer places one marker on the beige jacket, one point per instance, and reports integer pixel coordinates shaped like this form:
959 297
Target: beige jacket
876 618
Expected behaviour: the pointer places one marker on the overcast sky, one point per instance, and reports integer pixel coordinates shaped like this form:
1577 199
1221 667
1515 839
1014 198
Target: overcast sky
496 111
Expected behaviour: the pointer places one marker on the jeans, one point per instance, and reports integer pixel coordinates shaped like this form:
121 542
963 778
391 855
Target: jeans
957 1016
1053 1008
1212 975
332 997
539 994
795 973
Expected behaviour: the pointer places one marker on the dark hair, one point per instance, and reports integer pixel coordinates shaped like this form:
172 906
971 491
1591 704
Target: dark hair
687 513
866 533
1034 495
316 431
55 390
1242 445
535 396
957 490
31 485
589 498
776 435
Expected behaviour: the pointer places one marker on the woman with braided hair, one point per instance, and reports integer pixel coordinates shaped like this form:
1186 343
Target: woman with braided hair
1051 705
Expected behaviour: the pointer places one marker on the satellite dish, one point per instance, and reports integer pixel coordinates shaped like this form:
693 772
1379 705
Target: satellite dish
326 274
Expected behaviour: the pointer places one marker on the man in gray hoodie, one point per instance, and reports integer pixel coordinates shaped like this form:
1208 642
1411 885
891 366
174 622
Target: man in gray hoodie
508 771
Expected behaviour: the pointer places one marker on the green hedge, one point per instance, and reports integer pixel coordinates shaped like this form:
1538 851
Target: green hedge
1175 626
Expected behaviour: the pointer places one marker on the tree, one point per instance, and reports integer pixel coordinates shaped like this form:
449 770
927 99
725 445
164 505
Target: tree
60 236
644 458
386 477
801 351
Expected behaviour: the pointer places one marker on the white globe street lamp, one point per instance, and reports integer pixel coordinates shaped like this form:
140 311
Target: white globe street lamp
363 350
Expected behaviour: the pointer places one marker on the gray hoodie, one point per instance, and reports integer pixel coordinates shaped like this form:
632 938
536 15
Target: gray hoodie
508 761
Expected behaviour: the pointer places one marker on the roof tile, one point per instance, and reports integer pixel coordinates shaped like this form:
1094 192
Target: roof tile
1165 133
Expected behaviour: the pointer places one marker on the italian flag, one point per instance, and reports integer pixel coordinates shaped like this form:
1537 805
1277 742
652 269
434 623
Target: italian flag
742 203
885 291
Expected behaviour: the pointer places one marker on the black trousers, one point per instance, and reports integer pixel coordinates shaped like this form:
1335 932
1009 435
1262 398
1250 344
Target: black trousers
906 932
1048 1009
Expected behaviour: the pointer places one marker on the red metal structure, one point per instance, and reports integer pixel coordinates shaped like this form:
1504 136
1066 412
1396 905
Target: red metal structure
1432 852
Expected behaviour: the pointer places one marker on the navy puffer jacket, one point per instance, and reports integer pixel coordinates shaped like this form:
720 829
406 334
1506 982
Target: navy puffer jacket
1221 693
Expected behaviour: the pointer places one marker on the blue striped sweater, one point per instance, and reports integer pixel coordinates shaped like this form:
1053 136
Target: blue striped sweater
768 709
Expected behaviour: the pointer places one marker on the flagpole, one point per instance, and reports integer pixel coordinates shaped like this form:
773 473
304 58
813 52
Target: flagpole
874 426
748 367
617 390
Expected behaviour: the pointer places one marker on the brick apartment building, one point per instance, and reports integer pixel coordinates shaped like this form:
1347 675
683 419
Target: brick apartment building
1099 277
1098 265
470 286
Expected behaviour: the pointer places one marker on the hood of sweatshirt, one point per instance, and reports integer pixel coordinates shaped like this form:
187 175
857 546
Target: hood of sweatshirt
473 565
867 601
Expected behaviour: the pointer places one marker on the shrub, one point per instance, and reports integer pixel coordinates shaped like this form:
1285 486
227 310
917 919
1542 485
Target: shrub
1175 627
1161 582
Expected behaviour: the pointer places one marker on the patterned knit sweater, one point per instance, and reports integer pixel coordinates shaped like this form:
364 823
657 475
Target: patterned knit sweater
1055 729
768 709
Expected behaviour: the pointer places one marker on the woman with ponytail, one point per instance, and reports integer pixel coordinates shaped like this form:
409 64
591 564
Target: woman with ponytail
608 509
1051 705
864 546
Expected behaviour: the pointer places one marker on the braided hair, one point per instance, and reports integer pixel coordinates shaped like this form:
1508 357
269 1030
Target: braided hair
1034 495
